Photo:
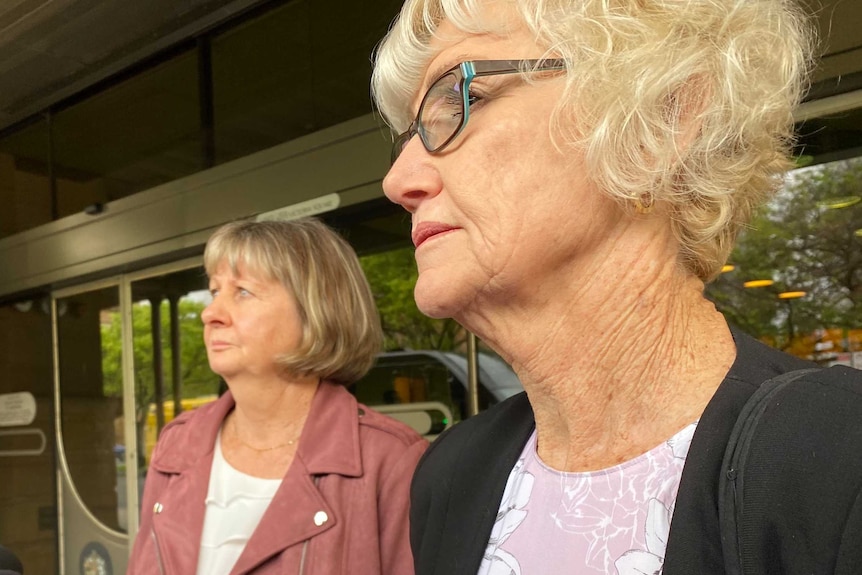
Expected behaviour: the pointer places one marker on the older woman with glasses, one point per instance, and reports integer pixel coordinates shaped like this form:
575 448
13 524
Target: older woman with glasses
285 473
576 171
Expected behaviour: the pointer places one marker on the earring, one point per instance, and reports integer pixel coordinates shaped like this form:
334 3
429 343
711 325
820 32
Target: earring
645 203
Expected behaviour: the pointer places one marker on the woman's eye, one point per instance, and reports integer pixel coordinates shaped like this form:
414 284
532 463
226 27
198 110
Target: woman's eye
452 104
214 292
244 292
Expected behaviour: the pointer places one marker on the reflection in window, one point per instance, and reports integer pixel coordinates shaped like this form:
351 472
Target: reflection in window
808 242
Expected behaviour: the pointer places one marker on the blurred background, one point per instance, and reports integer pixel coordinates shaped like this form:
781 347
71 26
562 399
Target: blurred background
130 131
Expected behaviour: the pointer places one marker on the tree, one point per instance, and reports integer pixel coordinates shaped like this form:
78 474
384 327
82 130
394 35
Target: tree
804 240
197 379
392 276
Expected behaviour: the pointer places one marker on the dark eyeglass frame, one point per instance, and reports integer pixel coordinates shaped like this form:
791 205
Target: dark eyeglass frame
464 74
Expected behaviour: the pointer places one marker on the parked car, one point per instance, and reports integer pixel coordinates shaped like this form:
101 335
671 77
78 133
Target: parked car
428 389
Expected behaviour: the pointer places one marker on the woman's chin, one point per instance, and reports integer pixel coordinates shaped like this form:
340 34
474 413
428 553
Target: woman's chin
436 301
434 311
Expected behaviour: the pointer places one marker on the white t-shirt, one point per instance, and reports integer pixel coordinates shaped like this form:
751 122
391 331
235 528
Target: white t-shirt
235 504
615 520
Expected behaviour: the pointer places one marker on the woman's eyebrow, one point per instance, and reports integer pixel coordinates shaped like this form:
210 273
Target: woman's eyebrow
441 68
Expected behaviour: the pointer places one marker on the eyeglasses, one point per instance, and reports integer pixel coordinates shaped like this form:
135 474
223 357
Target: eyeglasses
445 109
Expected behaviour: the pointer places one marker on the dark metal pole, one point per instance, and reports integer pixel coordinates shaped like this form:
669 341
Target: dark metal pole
472 375
158 362
790 321
176 355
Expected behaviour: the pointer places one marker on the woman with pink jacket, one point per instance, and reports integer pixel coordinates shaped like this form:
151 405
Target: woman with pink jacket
286 472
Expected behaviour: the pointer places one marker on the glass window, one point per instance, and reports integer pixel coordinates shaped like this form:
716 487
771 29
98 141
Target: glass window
140 133
25 185
297 69
831 138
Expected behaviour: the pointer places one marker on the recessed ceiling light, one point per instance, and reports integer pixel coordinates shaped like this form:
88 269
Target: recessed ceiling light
791 294
838 203
758 283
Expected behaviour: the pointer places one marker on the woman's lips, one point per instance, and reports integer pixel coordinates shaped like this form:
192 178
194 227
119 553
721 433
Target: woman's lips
218 345
426 230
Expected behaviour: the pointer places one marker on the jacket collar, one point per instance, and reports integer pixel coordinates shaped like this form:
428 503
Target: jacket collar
197 430
330 438
329 441
329 444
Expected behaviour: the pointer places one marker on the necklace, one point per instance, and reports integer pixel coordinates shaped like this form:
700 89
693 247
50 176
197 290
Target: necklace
261 449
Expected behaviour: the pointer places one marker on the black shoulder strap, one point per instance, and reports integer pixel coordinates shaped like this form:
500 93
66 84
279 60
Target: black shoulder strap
731 480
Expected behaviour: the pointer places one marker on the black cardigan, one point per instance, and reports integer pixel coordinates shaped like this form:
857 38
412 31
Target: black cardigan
793 525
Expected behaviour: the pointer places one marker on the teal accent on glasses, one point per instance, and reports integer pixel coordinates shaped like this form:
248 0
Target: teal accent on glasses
463 73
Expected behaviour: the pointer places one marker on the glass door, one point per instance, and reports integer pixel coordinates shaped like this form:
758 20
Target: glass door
171 373
130 357
92 462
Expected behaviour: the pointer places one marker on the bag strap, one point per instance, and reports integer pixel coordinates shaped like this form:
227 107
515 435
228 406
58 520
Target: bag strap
731 480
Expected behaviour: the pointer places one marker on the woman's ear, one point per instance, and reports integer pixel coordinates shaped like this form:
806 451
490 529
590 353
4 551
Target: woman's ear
683 109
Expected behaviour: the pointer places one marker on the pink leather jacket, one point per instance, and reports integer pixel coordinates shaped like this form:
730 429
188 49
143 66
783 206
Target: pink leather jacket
342 507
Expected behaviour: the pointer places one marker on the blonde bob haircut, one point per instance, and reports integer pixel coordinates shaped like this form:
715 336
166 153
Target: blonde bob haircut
341 332
687 103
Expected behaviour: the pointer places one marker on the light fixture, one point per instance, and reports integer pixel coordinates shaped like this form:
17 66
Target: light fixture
791 294
858 233
758 283
838 203
727 268
94 209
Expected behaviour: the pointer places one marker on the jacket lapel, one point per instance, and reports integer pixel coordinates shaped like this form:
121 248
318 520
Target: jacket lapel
186 459
297 513
179 515
329 445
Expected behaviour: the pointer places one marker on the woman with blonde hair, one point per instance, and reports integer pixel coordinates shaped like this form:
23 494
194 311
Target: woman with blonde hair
286 472
576 171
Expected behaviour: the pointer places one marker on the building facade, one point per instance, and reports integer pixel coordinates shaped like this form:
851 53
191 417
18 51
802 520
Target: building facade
127 135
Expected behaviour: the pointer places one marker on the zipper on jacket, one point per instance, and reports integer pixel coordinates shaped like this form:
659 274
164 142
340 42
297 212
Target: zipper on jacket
307 541
158 551
302 558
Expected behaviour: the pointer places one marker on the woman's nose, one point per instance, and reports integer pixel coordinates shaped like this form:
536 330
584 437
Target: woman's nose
413 177
213 313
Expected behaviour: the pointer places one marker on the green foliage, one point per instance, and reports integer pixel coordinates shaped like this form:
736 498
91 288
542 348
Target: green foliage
197 379
392 276
802 245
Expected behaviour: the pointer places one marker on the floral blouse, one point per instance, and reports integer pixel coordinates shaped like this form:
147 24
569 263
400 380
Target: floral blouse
615 520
